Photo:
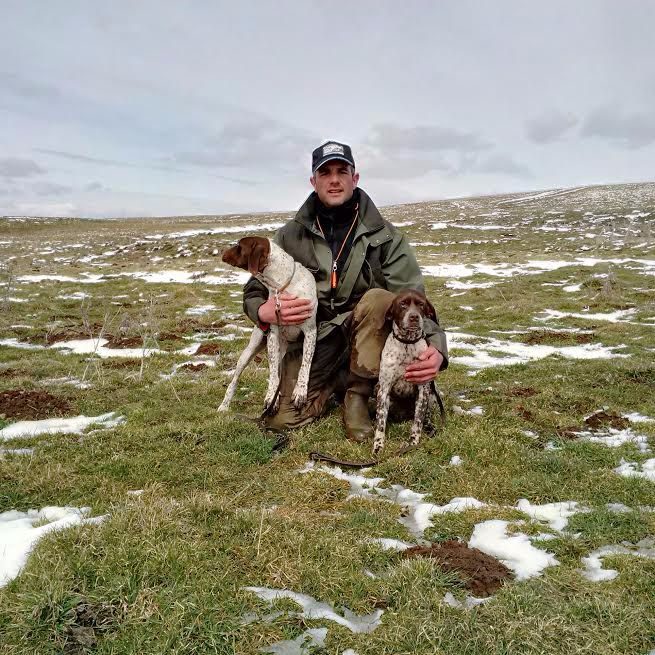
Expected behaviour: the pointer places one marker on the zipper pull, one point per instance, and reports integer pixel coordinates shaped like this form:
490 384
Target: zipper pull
333 276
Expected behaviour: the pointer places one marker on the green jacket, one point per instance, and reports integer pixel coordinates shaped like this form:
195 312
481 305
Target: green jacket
380 257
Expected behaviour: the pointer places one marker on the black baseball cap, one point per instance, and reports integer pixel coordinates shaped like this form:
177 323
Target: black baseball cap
331 150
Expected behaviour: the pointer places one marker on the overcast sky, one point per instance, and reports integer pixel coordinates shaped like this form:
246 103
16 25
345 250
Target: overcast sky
129 108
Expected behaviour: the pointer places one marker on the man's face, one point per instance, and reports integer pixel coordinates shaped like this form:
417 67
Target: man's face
334 182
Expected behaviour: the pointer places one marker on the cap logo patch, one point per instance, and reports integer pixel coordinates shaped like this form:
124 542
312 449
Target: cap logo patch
332 149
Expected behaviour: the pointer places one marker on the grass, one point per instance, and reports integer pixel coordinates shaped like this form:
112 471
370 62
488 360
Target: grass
222 510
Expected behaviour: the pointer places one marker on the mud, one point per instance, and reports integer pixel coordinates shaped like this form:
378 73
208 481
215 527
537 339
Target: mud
208 349
87 622
121 363
481 574
524 413
169 336
558 337
124 342
194 367
603 419
31 405
522 392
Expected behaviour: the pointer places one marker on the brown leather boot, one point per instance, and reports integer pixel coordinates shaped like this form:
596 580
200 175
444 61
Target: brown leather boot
355 409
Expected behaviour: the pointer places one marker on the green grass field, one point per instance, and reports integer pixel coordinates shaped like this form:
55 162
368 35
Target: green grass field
221 510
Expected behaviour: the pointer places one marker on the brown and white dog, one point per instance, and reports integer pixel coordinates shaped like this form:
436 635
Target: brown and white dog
404 344
278 272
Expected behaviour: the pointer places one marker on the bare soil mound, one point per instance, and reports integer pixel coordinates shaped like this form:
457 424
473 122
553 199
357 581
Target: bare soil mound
602 418
194 367
124 342
121 363
31 405
482 574
522 392
559 337
208 349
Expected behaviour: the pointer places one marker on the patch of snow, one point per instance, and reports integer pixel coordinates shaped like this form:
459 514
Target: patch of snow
514 550
314 609
18 533
72 425
593 565
631 469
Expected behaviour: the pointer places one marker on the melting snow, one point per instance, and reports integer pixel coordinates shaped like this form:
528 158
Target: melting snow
631 469
18 533
73 425
513 550
593 564
613 317
519 353
97 347
314 609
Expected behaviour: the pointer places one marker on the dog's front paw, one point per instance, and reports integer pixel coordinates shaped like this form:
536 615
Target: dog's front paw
223 407
378 444
299 398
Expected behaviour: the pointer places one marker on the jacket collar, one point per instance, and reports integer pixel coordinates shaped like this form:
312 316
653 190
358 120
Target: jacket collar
369 216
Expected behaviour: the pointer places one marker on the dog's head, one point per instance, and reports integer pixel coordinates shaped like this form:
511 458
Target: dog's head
250 254
408 309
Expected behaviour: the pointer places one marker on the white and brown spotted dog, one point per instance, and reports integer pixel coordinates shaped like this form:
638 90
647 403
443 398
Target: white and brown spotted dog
278 272
404 344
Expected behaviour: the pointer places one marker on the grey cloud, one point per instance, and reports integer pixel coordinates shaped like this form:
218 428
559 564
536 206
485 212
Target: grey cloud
630 130
95 186
256 142
425 138
122 164
51 189
500 163
13 167
25 88
550 127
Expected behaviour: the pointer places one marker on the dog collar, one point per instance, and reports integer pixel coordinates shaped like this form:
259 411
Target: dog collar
288 282
408 341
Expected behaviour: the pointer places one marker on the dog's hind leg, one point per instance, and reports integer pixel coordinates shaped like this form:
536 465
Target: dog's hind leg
419 413
255 345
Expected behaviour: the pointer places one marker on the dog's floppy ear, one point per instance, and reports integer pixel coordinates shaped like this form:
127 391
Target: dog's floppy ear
258 257
389 313
430 311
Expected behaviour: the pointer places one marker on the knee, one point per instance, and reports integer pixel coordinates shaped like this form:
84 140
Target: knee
374 302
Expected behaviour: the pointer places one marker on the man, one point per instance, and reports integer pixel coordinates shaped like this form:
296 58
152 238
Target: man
359 261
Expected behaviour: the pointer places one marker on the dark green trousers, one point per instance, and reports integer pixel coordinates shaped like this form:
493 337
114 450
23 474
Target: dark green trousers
356 346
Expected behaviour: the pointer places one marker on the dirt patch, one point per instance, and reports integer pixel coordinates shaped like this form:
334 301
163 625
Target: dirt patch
88 621
524 413
9 373
169 336
31 405
124 342
568 432
522 392
559 337
602 418
68 334
121 363
194 367
481 574
208 349
198 325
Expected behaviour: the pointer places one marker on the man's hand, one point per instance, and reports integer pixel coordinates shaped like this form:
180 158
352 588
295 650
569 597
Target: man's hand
293 310
425 367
